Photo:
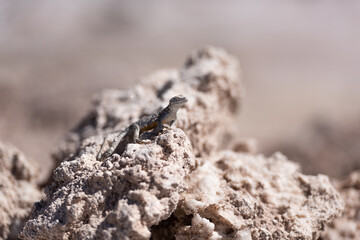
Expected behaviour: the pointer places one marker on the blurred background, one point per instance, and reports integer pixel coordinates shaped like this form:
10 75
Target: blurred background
300 65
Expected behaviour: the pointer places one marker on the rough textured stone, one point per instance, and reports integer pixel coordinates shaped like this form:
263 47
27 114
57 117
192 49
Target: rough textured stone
241 196
210 81
178 185
116 199
18 191
347 227
126 195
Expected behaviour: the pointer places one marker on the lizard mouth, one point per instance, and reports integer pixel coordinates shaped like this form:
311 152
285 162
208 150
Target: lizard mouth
184 100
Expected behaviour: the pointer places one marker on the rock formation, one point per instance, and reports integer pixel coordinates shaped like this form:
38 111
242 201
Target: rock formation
347 227
18 190
242 196
182 184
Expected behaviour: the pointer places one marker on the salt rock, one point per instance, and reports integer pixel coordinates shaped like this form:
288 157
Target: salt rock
242 196
18 190
210 79
347 227
180 185
120 198
124 196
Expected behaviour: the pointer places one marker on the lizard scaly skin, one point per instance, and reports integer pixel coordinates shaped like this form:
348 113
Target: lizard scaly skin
154 121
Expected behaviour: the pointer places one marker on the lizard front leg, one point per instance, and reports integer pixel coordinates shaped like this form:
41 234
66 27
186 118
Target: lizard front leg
168 125
159 126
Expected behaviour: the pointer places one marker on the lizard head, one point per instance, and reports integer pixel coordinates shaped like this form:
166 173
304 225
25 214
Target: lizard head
178 100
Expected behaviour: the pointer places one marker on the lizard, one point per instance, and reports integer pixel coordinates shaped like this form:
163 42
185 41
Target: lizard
153 122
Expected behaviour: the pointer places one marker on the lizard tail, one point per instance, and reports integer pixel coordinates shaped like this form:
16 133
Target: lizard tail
113 146
99 156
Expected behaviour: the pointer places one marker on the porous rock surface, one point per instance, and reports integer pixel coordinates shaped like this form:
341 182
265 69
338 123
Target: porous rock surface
18 190
347 227
209 79
242 196
179 185
124 196
116 199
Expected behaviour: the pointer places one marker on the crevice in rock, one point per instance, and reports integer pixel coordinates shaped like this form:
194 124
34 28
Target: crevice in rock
167 228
